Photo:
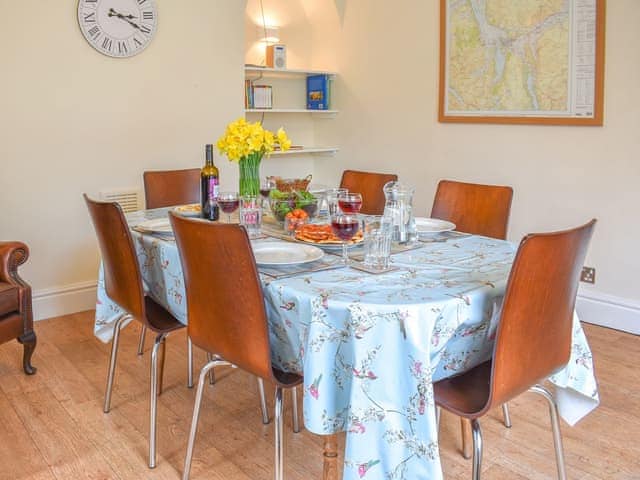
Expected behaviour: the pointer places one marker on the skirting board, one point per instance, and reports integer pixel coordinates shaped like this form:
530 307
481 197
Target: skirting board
53 302
609 311
593 307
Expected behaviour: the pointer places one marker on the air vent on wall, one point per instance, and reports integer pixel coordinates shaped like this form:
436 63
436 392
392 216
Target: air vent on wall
130 199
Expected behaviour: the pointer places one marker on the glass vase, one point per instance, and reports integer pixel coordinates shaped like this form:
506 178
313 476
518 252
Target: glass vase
250 175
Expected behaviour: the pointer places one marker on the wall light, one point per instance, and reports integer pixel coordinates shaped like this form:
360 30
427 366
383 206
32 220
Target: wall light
269 34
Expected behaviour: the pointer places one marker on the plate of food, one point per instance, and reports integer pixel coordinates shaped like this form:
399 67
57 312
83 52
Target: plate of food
191 210
285 253
157 225
425 226
321 235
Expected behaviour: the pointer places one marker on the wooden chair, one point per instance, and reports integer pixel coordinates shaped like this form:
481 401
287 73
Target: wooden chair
123 284
167 188
226 312
370 185
480 210
474 208
16 317
533 339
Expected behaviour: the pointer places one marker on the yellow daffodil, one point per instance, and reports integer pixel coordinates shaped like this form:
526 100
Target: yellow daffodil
242 138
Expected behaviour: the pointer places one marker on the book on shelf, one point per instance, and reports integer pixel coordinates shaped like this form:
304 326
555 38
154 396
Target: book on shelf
318 92
262 96
248 94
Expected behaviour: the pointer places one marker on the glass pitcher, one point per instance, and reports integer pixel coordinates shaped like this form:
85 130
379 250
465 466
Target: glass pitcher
399 210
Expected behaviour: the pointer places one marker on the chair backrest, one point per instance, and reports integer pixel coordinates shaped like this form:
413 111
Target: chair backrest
122 278
474 208
171 187
225 303
535 331
370 185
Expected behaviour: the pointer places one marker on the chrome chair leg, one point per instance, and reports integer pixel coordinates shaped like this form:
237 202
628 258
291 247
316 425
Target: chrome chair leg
153 407
465 430
294 410
263 402
189 363
477 449
506 416
112 361
555 425
279 440
212 376
143 332
196 415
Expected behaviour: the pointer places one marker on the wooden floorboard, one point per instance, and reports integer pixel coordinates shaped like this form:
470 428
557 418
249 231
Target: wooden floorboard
52 426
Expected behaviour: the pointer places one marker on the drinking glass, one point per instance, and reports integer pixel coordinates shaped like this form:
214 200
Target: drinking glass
251 214
345 226
332 199
377 234
266 186
228 203
350 203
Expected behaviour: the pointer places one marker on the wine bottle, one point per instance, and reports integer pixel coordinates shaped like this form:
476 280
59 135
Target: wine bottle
209 187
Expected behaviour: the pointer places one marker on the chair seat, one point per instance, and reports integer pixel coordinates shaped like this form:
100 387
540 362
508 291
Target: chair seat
160 320
287 379
9 298
465 395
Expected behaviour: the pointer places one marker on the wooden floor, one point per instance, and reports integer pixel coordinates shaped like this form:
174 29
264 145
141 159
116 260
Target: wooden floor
52 425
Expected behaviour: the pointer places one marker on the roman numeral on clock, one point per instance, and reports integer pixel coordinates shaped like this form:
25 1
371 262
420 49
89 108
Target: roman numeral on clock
94 32
147 15
137 42
140 2
90 18
145 29
122 47
107 43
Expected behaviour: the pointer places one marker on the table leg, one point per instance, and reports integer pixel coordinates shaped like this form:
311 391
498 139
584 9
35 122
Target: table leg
330 469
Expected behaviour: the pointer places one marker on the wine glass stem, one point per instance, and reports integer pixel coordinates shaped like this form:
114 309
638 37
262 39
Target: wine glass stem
345 253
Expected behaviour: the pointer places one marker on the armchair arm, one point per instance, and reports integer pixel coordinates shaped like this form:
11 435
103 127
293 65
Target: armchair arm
12 255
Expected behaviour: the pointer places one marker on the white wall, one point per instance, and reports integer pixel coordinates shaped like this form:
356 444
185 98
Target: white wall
387 56
73 120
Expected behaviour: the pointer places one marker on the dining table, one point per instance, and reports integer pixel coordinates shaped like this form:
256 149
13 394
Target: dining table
370 345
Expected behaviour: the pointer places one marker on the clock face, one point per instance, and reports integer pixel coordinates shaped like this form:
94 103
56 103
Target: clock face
118 28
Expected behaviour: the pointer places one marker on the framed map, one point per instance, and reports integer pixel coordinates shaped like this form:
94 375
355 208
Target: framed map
522 61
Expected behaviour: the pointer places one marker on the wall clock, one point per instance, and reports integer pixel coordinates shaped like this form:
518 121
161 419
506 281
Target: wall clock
118 28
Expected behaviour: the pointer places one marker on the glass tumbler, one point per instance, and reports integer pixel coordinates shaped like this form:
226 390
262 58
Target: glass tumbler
251 214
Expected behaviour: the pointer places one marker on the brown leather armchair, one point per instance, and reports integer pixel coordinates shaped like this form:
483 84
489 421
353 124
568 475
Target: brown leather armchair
16 317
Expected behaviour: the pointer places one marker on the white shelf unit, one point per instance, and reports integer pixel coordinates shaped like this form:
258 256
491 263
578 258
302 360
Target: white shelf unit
289 97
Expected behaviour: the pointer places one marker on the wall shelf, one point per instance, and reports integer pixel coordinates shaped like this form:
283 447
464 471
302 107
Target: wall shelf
290 110
272 72
309 150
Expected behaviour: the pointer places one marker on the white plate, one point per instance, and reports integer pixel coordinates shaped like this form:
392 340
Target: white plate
280 253
191 210
433 225
157 225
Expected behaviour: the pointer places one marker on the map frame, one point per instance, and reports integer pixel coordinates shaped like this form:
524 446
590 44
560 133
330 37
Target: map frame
533 119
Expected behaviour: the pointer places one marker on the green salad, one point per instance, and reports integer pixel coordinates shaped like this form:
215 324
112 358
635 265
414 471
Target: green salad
284 202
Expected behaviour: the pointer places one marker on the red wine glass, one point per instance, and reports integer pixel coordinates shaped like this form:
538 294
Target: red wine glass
345 226
350 203
228 203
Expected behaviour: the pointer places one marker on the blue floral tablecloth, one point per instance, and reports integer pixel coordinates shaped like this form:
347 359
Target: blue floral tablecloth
370 346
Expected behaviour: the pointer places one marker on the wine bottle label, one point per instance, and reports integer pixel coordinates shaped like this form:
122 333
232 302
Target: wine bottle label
213 189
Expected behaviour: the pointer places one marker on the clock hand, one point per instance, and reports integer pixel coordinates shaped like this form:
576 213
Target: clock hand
113 13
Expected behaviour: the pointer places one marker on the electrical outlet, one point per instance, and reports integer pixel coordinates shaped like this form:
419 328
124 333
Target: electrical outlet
588 275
